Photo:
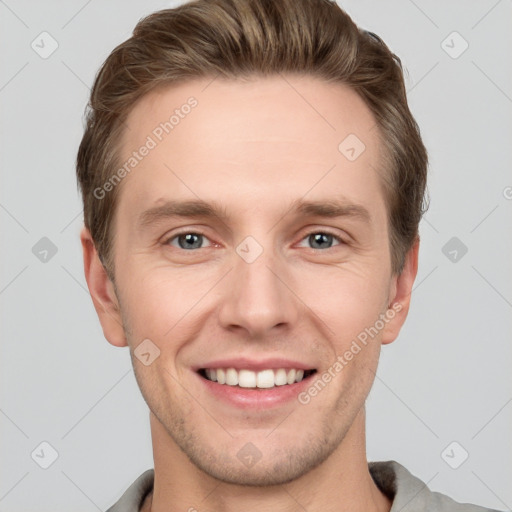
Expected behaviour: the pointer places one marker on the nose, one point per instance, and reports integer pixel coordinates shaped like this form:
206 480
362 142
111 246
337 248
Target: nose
259 297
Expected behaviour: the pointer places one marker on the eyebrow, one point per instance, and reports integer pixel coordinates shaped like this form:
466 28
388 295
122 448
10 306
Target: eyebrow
331 208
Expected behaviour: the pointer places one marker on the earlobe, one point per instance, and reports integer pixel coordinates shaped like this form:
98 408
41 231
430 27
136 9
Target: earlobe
400 295
102 292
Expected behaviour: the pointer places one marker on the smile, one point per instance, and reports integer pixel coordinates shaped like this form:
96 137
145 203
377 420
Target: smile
262 379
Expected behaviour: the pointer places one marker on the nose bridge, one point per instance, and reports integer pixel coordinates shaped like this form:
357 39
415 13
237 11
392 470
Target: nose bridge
258 298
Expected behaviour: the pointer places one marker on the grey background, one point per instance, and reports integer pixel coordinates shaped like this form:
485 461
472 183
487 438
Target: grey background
446 378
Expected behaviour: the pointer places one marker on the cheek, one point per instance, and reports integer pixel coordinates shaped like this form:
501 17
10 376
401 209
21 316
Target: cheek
168 306
157 298
347 299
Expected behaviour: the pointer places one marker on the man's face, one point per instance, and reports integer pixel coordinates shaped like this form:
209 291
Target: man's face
264 286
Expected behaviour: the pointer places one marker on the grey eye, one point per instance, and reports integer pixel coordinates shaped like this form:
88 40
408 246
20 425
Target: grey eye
188 241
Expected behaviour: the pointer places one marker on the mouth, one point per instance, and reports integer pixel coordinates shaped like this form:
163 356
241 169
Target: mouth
262 379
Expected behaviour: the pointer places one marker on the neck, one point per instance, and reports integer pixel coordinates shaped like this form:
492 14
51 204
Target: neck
342 483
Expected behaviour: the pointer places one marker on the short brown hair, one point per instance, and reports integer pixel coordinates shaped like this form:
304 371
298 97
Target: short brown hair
236 39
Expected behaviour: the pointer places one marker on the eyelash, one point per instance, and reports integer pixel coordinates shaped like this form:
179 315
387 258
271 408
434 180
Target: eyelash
314 232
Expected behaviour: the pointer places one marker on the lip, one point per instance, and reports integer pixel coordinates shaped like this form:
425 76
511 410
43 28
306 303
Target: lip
255 398
243 363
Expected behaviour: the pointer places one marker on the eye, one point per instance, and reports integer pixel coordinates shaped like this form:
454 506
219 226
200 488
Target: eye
322 239
193 240
187 240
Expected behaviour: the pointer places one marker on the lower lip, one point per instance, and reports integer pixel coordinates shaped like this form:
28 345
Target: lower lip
256 398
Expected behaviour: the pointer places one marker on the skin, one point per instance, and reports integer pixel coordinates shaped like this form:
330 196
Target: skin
254 148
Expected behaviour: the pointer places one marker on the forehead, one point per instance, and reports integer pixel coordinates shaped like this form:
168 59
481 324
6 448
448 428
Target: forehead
266 138
303 106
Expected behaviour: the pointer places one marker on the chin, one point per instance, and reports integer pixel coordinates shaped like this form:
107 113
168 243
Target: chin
259 464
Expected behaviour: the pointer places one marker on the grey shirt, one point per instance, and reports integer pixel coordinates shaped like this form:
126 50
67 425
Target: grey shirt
408 493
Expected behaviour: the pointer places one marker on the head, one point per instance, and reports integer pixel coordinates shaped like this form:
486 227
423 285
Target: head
292 124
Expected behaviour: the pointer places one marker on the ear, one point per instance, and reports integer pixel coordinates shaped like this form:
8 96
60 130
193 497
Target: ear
102 292
400 295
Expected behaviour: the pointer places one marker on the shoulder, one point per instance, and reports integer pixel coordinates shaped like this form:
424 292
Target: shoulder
133 497
410 494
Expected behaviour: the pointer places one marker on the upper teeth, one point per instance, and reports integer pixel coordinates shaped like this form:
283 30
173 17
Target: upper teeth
249 379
